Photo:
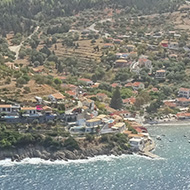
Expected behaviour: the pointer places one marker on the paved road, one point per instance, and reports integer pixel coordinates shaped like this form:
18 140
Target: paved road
17 48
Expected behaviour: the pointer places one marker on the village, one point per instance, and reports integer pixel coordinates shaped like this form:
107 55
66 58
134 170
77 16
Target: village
106 78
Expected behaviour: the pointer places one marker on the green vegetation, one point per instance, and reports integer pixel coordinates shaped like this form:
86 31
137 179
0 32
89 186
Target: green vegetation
20 15
116 101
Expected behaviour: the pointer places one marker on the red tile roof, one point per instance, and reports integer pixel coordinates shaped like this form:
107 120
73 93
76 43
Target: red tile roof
183 100
184 89
85 80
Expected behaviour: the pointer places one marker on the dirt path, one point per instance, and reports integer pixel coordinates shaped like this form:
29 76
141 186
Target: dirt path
17 48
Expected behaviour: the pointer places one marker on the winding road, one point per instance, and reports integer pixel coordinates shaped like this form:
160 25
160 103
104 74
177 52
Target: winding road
17 48
92 27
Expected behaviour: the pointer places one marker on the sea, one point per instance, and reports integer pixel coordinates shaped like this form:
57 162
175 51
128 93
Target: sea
127 172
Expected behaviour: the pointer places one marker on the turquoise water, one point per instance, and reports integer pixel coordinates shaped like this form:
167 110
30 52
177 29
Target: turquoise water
170 172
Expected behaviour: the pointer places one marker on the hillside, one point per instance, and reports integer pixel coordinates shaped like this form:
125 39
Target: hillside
22 15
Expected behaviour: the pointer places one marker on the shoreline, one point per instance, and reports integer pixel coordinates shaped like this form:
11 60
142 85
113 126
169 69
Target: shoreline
40 152
169 123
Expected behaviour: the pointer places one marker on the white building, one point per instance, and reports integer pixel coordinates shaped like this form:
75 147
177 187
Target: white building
137 143
9 108
184 92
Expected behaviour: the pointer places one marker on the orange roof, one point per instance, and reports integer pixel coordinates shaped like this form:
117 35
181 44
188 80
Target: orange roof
58 96
183 114
96 85
5 106
131 100
137 83
170 104
71 93
47 108
114 85
184 89
129 84
161 71
135 135
85 80
62 78
28 108
108 44
101 94
183 100
121 61
127 132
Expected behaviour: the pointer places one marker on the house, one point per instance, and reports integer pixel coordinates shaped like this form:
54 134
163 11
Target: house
129 101
62 78
123 114
160 74
164 43
28 111
71 94
38 69
108 45
9 109
114 85
95 85
135 85
183 115
130 47
184 92
121 63
122 55
144 62
138 85
184 102
102 97
120 127
56 97
86 81
47 110
133 54
173 45
83 129
173 56
137 143
170 104
93 122
117 41
88 103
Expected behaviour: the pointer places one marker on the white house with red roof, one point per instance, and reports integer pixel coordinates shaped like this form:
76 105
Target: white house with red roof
184 102
7 108
160 74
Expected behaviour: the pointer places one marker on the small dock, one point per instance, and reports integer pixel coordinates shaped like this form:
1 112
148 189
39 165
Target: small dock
150 145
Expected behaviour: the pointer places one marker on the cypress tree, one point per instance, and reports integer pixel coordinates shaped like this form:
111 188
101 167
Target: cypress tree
116 101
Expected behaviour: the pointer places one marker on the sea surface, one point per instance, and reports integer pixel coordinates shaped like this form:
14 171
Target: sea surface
170 172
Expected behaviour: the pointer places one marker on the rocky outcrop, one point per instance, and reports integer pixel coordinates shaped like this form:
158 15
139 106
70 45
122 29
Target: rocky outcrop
32 151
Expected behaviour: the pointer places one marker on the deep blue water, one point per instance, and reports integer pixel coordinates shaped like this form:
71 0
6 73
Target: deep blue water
170 172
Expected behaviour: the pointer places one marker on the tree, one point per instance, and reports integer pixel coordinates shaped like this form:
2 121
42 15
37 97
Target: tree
116 101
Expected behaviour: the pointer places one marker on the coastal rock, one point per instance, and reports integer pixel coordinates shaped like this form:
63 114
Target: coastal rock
70 155
59 155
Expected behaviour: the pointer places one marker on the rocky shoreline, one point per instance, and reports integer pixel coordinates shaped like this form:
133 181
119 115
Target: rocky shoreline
18 154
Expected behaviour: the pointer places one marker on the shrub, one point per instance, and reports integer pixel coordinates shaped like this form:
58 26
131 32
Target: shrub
71 144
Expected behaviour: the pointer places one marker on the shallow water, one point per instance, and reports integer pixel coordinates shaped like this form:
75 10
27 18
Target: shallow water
170 172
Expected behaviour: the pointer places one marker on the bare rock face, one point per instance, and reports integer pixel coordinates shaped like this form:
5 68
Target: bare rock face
70 155
59 155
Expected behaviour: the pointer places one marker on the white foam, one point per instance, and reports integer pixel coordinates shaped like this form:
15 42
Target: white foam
38 161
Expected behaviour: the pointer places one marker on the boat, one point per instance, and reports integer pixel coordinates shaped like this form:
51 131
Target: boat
158 138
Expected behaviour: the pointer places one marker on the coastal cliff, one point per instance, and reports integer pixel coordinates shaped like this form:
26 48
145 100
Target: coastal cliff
32 151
